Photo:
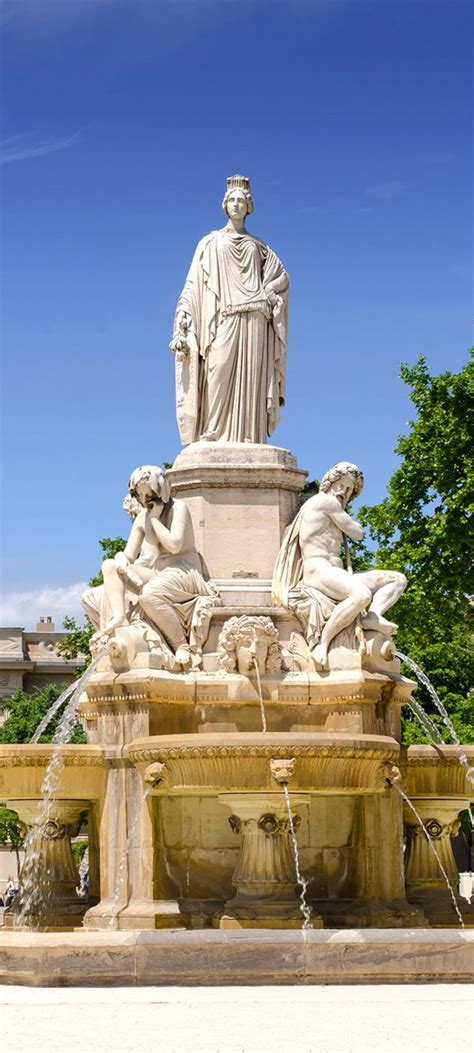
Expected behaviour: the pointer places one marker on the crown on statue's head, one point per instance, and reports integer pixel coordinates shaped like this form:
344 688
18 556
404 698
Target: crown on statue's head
238 182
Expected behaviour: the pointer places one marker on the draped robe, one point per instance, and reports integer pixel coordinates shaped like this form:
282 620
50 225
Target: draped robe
231 384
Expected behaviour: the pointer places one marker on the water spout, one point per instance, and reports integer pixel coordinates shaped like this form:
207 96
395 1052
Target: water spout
260 695
56 706
302 882
34 894
433 849
121 870
72 692
421 676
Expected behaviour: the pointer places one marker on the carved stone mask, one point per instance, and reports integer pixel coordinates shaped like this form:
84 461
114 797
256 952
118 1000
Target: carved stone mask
251 651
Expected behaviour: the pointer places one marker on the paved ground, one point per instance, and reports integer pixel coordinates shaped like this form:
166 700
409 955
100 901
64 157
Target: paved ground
434 1018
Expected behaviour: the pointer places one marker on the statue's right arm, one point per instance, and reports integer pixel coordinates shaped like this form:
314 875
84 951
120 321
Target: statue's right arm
135 540
334 510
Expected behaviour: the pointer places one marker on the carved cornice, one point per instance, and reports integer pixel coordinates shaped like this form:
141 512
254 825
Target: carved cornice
230 476
138 755
26 758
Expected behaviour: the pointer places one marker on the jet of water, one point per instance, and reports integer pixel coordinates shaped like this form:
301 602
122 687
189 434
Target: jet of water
433 849
429 727
35 890
260 695
72 692
444 713
120 879
56 706
302 882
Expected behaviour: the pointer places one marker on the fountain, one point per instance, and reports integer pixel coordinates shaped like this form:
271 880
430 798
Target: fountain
243 777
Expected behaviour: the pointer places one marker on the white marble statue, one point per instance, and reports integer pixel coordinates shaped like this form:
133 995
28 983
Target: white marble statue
310 578
230 332
157 580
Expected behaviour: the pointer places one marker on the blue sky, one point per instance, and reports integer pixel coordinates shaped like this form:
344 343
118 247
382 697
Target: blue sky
121 121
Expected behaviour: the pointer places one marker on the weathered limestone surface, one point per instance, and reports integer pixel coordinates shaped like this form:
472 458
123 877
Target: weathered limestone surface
220 957
241 497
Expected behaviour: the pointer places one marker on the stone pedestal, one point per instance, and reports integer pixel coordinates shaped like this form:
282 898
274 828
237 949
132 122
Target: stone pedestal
425 883
241 497
379 889
49 877
265 875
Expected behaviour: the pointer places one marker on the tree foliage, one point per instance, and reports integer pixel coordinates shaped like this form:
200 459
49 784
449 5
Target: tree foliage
77 639
26 711
422 528
11 832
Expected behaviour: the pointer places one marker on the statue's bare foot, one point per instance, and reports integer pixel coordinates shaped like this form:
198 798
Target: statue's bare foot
115 623
183 656
376 623
319 655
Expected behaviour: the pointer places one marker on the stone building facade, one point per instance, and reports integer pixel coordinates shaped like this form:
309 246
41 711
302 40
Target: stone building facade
30 659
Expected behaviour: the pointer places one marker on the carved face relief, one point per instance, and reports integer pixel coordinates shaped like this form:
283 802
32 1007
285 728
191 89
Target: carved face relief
251 651
248 642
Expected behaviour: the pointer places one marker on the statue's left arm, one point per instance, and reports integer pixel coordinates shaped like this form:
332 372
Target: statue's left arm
275 279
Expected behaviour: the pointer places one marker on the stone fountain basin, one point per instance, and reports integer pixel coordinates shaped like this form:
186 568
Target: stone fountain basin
436 771
81 775
208 764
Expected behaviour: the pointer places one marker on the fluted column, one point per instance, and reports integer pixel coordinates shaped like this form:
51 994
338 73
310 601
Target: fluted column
49 876
265 876
426 884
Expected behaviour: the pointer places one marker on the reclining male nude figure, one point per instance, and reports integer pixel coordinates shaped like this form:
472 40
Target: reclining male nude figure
318 532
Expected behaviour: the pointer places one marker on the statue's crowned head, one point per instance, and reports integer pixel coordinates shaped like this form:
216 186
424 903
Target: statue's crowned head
149 484
341 472
241 184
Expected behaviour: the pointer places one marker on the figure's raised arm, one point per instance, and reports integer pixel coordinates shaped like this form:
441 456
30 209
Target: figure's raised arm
333 508
135 539
173 538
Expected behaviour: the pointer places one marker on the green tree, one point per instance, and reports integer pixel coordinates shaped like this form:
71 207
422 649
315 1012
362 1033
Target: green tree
422 528
11 832
77 639
26 710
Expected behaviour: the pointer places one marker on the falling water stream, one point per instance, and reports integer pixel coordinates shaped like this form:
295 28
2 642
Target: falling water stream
34 892
428 725
433 849
120 878
302 882
260 695
421 676
57 705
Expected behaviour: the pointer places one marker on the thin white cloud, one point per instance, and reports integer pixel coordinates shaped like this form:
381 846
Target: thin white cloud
18 149
26 608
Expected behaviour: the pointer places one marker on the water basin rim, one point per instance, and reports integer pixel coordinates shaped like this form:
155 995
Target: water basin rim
39 754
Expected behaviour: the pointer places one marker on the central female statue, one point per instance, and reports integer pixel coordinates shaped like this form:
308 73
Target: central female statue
230 333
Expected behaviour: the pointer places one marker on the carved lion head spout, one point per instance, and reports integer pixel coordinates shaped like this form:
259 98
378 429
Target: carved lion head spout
155 774
247 643
391 773
284 769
